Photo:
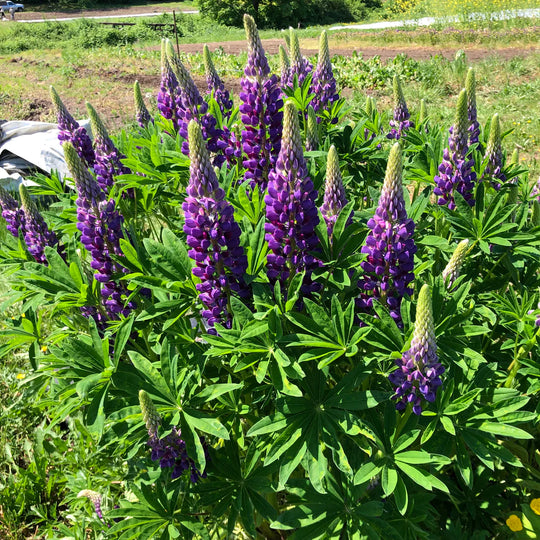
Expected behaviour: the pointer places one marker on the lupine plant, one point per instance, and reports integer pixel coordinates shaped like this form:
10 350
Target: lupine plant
339 343
400 122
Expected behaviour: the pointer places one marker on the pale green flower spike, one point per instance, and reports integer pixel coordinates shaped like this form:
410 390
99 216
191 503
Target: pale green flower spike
461 121
59 106
536 214
424 328
291 130
324 51
393 180
370 106
98 128
451 272
284 63
296 55
514 183
470 86
494 141
75 165
141 112
423 112
312 135
27 203
399 98
209 68
149 413
182 74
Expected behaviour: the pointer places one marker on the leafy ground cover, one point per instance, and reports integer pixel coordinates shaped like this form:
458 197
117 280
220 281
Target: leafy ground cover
283 384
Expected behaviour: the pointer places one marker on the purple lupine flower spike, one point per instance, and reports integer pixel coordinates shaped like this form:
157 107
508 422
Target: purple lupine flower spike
36 233
12 213
474 126
169 89
101 230
453 268
260 110
190 105
290 210
108 164
143 116
324 83
312 134
334 192
71 131
170 450
215 85
95 498
390 248
213 236
400 122
455 170
285 66
419 371
494 154
300 66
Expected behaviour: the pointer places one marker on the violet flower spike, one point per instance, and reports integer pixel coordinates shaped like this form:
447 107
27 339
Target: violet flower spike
455 170
36 233
400 122
95 498
300 66
101 230
143 116
12 213
290 211
215 85
71 131
213 236
260 111
334 192
323 84
390 248
419 371
190 105
474 126
494 154
169 89
108 164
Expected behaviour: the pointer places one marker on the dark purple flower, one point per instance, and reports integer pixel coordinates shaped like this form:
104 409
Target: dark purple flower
213 236
334 192
143 116
390 248
455 170
36 233
290 211
71 131
400 123
108 164
12 213
324 83
419 371
474 126
216 86
494 154
100 224
260 110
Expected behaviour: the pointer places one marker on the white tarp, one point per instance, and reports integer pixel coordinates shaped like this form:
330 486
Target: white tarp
26 145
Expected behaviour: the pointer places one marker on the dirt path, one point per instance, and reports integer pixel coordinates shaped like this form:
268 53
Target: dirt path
417 52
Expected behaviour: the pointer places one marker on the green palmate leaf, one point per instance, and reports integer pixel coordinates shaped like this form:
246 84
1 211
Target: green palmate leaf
206 424
366 473
415 457
504 430
421 477
389 480
149 372
401 497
